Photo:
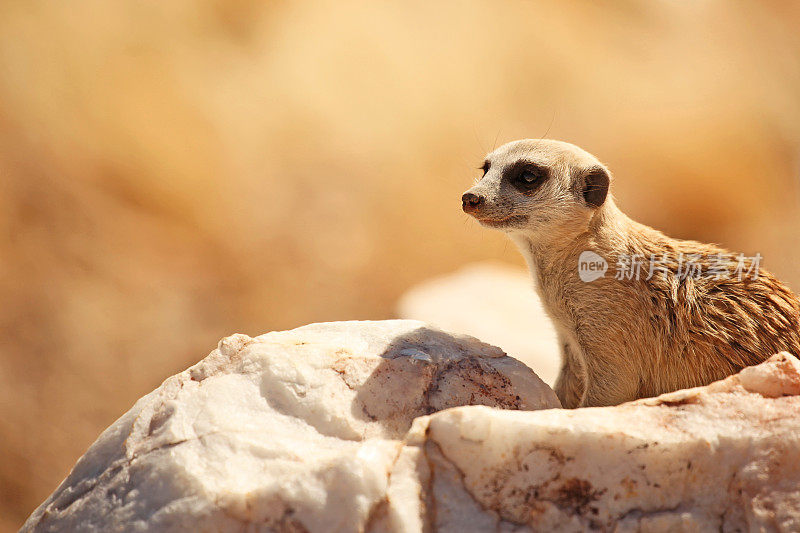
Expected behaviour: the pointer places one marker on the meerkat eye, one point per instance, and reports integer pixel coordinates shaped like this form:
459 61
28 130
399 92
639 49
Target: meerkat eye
527 179
485 167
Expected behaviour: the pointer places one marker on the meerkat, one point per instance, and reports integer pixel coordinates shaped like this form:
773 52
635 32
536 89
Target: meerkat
625 337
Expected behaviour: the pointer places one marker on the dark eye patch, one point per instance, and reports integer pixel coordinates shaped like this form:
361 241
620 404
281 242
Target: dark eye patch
527 177
485 167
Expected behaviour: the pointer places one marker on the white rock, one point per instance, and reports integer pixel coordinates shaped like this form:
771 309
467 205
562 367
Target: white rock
294 430
495 303
725 457
308 430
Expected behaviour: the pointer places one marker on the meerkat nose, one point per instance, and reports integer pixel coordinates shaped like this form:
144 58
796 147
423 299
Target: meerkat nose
470 202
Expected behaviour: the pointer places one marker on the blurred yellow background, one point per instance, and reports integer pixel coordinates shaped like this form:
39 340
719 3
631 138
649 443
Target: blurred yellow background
173 172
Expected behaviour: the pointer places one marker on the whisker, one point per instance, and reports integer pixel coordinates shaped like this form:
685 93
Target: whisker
552 119
494 145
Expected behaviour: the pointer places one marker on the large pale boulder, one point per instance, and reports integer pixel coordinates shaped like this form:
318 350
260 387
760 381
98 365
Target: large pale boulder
362 427
295 430
725 457
495 303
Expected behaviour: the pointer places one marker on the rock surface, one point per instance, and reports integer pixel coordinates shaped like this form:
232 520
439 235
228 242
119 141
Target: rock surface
725 457
294 430
495 303
308 430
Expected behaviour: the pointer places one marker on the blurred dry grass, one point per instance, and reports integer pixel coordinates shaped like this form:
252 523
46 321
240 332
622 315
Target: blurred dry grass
173 172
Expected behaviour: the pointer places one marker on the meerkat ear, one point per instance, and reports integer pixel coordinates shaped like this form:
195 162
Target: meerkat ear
595 186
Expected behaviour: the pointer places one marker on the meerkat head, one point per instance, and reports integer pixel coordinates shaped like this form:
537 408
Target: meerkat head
538 188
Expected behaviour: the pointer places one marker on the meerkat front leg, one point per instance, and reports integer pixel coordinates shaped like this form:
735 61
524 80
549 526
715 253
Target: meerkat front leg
607 381
591 378
571 382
